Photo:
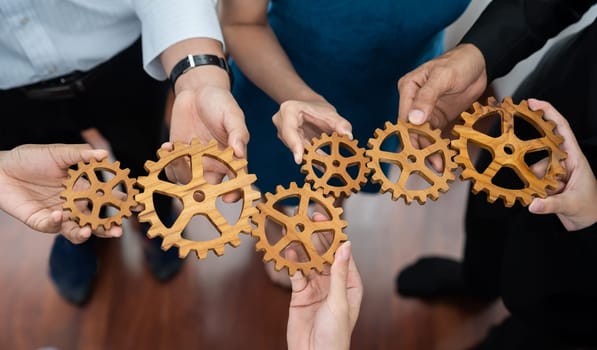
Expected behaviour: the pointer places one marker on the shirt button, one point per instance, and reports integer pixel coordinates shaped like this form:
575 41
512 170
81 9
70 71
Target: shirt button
24 20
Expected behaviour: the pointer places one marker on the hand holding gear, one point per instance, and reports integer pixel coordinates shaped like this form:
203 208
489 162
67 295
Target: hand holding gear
198 197
411 161
508 150
99 194
299 228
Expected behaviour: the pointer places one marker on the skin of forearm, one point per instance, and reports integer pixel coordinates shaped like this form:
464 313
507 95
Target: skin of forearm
266 65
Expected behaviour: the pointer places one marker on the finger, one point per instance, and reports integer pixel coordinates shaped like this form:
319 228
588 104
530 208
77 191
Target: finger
74 233
71 154
408 86
115 231
46 221
328 120
540 168
550 205
550 113
339 276
427 96
298 281
289 133
236 128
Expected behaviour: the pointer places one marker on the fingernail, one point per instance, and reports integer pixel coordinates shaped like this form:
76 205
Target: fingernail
349 134
297 158
344 253
416 116
536 206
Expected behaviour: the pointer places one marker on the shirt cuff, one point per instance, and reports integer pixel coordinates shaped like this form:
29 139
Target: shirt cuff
164 23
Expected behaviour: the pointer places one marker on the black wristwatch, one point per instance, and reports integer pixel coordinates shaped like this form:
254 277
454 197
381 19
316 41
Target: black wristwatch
192 61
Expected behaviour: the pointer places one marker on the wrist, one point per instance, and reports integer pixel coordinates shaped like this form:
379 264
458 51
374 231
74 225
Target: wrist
199 62
201 77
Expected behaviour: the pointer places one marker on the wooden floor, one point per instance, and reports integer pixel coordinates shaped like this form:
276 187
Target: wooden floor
228 302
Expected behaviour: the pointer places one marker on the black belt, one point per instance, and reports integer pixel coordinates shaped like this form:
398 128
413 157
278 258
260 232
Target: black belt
77 83
64 87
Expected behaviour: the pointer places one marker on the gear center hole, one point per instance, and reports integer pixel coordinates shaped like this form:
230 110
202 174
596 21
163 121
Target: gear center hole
509 149
299 228
199 196
336 163
411 158
99 193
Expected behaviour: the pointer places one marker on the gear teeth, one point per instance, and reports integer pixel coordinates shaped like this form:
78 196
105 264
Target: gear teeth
536 186
402 129
335 142
316 261
172 236
95 185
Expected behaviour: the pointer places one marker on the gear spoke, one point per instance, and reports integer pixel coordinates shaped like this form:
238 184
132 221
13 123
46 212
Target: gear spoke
508 151
535 145
301 230
335 165
411 160
97 194
229 234
433 149
480 138
391 157
428 174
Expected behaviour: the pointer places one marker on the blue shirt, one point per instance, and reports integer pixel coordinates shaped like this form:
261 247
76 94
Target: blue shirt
352 52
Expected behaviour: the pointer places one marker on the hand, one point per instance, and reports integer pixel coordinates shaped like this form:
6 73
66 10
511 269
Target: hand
299 121
31 178
439 90
203 108
324 307
573 201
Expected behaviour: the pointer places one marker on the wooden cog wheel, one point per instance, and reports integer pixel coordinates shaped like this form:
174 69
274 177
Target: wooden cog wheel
411 161
508 150
197 205
99 194
298 229
335 165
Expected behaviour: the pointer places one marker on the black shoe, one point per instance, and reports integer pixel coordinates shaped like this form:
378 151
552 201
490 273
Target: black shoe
435 277
73 268
164 265
512 334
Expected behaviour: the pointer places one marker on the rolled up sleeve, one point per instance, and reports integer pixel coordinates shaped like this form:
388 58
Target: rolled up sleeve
164 23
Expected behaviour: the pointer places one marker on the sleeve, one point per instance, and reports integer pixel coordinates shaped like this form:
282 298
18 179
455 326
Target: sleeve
509 31
164 23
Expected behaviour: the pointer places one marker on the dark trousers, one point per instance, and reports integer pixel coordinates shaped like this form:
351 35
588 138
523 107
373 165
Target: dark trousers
121 101
546 275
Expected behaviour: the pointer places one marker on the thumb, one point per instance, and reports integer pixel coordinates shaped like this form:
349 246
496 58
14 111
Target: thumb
339 276
73 154
550 205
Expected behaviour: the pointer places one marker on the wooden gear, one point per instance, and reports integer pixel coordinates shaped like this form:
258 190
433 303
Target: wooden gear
99 194
335 165
192 206
298 228
508 150
411 160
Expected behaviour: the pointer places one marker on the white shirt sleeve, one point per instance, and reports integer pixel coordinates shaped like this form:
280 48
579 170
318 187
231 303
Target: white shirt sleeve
164 23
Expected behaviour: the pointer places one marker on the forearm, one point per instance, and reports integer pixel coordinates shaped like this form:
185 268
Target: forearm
508 31
200 76
165 24
265 64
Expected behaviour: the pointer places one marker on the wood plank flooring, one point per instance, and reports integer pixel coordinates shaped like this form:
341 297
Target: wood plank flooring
228 302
